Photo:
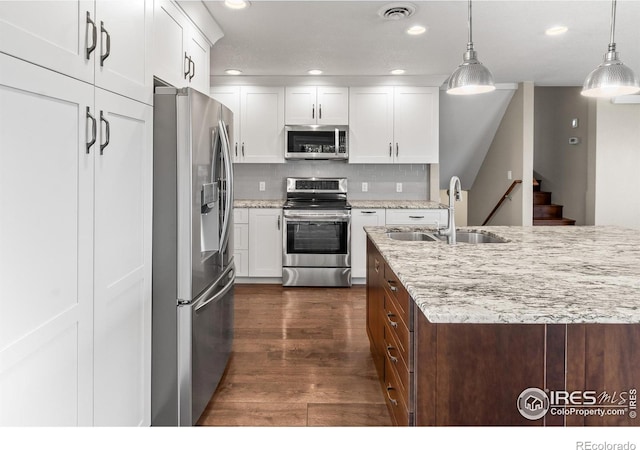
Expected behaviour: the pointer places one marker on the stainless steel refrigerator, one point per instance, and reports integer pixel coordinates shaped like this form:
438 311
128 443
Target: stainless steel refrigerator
193 270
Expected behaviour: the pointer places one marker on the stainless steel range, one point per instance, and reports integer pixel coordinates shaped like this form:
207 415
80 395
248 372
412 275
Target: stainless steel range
317 233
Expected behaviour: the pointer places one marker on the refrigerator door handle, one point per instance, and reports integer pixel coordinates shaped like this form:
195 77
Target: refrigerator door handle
219 294
226 156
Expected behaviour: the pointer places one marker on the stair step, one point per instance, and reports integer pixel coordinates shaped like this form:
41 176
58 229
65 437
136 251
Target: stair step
536 185
541 198
553 222
547 211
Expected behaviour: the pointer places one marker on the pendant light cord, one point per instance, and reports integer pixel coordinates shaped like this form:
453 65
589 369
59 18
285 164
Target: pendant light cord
612 43
470 29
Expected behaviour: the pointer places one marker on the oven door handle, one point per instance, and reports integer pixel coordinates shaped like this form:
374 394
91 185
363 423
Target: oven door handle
317 217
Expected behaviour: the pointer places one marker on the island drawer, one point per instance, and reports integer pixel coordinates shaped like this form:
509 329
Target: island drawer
395 289
394 322
432 217
396 359
396 401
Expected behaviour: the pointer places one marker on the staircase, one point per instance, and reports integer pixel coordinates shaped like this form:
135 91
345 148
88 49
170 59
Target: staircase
545 212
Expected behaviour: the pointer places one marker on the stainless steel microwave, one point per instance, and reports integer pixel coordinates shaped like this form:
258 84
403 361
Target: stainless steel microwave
316 142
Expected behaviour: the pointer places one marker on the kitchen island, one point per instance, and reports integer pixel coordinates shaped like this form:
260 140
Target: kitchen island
541 330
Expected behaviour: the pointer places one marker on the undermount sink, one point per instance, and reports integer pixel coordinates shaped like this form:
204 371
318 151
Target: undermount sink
474 237
411 236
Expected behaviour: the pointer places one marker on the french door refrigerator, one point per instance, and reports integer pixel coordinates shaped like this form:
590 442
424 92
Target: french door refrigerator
193 269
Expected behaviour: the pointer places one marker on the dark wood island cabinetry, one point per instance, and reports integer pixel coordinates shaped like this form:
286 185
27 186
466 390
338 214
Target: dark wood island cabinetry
450 374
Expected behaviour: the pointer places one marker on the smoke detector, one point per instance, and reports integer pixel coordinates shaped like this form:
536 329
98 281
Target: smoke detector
397 11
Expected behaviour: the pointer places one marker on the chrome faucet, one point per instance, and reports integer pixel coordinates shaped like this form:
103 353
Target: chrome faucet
455 193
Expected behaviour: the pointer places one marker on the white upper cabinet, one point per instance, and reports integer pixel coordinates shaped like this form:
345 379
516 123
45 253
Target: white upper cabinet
258 122
123 50
393 125
323 105
181 55
106 42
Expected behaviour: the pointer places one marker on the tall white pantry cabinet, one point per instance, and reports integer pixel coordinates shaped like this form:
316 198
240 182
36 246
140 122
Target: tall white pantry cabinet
75 212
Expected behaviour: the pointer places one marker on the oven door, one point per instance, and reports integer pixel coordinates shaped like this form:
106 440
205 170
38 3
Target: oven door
317 239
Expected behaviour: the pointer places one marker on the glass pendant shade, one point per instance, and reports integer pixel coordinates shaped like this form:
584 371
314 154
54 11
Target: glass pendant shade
471 77
611 79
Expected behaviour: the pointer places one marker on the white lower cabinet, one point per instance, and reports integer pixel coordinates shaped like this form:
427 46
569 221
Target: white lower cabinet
265 242
361 218
241 241
75 247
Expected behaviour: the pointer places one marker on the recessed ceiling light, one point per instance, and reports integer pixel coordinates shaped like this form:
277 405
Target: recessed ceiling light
233 72
236 4
397 71
315 72
416 30
555 31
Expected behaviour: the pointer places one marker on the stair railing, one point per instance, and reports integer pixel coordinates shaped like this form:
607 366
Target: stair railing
504 197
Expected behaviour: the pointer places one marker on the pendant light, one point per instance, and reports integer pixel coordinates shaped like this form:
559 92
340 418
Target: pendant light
471 77
611 78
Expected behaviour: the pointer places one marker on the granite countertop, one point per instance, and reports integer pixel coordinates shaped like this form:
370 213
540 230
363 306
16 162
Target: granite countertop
360 204
542 275
258 203
396 204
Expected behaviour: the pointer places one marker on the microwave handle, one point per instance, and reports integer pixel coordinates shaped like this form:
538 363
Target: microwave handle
337 143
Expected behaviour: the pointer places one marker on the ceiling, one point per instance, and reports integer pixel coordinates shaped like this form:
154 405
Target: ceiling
349 39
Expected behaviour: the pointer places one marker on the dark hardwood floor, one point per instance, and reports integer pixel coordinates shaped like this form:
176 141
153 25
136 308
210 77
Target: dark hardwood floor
300 358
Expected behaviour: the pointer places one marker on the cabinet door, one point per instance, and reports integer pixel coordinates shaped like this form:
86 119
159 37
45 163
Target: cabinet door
123 198
333 106
265 242
371 125
199 50
170 42
416 125
262 124
361 218
51 34
301 107
122 61
46 251
230 97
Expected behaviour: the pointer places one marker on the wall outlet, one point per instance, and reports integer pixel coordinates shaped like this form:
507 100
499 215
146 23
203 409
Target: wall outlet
398 187
509 175
365 186
263 186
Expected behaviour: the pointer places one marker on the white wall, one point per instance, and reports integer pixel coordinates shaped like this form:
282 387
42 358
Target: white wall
511 150
617 164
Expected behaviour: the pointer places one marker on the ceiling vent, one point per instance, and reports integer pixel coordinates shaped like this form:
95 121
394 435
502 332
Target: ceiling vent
397 11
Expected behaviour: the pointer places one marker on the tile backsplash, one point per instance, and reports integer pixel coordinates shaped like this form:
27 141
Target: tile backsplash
381 179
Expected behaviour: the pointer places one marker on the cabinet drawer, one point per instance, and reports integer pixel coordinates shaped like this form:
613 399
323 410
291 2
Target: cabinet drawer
396 403
396 359
241 215
396 325
432 217
396 290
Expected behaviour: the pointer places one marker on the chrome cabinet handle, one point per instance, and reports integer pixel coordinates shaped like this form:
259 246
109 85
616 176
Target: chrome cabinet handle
192 74
187 60
94 34
93 130
107 132
320 111
236 149
108 51
391 322
243 149
392 358
416 217
393 401
313 111
397 149
278 221
390 150
376 265
367 212
392 287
